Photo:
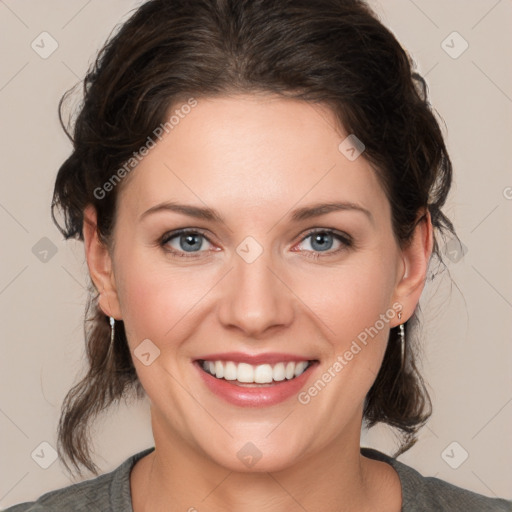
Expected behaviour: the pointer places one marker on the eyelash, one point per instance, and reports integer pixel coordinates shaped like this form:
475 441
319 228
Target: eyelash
346 241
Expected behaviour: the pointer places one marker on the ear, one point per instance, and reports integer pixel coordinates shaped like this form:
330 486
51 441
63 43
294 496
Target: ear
100 265
414 265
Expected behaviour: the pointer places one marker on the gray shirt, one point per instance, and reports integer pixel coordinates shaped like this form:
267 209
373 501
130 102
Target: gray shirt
111 492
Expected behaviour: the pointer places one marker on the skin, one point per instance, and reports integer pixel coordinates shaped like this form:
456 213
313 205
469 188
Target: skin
255 159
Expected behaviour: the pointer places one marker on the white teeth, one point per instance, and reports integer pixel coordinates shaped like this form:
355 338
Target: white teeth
259 374
263 374
300 367
278 372
290 370
230 371
245 372
219 369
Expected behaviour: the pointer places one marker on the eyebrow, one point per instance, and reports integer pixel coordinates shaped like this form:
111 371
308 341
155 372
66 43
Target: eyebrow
298 215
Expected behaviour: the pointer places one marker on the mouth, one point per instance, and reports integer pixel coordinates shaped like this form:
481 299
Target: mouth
248 375
255 385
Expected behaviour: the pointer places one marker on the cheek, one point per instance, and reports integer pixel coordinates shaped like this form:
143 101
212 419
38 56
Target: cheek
355 305
354 297
157 300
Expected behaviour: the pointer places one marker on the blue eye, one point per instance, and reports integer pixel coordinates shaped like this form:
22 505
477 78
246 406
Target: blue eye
322 240
190 243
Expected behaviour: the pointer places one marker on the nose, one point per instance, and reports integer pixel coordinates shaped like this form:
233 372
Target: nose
255 297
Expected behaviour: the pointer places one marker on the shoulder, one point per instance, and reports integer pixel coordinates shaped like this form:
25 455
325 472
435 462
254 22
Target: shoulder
108 492
420 493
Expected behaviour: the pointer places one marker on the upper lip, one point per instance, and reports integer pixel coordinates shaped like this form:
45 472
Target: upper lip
255 359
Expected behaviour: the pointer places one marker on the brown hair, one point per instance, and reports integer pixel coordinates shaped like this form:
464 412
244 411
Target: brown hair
334 52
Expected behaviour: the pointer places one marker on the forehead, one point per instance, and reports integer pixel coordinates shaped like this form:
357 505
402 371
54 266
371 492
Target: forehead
252 153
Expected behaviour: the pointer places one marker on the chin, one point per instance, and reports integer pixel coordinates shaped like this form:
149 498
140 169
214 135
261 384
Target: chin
255 457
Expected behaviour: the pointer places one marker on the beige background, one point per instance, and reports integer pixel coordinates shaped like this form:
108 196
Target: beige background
467 339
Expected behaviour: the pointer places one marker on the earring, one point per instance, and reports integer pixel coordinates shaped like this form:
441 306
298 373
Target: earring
401 335
112 331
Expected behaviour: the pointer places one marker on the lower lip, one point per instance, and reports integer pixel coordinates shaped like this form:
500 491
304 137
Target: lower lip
260 396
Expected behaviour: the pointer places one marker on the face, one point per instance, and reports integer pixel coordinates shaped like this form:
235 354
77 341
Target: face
266 285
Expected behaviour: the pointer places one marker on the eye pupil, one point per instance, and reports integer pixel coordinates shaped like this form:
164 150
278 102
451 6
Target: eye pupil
320 239
190 240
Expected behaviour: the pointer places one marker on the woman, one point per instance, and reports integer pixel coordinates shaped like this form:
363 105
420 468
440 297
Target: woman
257 185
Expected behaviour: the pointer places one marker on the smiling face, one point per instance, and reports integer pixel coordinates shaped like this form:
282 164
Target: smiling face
258 282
